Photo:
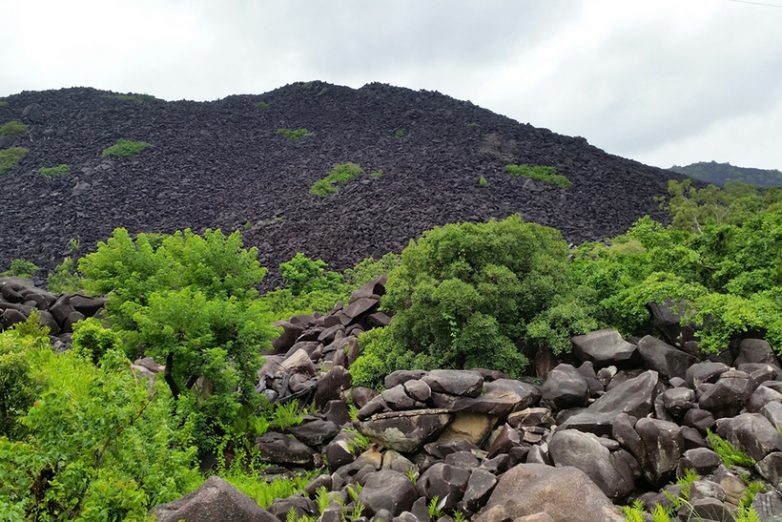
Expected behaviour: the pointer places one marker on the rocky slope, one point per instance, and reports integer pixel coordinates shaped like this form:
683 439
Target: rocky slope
222 164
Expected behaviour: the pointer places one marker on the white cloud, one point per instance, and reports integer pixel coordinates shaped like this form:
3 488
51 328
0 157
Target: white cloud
663 81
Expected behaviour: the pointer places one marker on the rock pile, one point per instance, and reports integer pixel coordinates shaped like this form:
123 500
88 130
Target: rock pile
620 420
20 297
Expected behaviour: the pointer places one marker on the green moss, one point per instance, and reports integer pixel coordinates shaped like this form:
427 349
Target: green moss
292 134
3 104
482 182
10 157
399 134
262 105
124 148
54 172
376 173
543 173
13 129
339 175
132 97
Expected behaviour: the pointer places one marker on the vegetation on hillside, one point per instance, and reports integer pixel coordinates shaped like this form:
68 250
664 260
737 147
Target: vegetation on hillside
292 134
722 173
10 157
133 97
13 129
55 172
123 148
340 174
543 173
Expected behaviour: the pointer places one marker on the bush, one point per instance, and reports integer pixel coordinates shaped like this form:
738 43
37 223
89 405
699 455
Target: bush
54 172
293 134
340 174
124 148
18 388
187 301
543 173
10 157
463 296
3 104
303 275
482 182
92 341
64 279
132 97
399 133
21 268
13 129
262 105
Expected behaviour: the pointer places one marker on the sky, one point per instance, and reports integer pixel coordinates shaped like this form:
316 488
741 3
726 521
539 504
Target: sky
665 82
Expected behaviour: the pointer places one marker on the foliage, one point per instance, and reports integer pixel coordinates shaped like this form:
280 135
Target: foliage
55 172
123 148
3 104
399 133
92 341
262 491
377 173
13 129
99 444
728 453
463 296
64 279
482 182
10 157
18 388
304 275
340 174
284 415
293 134
722 173
187 301
21 268
543 173
133 97
262 105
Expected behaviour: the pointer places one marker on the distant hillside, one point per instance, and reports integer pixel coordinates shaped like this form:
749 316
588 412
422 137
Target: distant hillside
249 162
720 173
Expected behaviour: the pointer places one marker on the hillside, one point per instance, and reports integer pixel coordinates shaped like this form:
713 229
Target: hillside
223 164
721 173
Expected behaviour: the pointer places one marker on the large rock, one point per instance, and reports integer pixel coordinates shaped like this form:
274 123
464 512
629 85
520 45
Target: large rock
566 494
727 396
633 397
752 433
565 387
283 449
455 382
388 490
603 348
586 452
663 358
664 444
216 499
447 483
755 351
407 431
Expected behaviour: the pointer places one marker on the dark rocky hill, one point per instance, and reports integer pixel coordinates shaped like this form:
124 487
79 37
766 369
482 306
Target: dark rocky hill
222 164
721 173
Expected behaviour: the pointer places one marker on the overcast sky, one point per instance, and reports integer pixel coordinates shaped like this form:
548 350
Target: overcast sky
661 81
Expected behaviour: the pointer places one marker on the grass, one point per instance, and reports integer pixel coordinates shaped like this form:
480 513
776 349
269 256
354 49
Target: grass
13 129
376 173
10 157
542 173
55 172
292 134
124 148
20 268
339 175
132 97
262 105
730 454
3 104
399 134
482 182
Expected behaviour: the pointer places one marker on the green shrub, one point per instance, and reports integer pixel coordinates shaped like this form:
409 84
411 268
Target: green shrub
399 134
124 148
13 129
728 453
64 279
377 173
53 172
482 182
92 341
304 275
340 174
293 134
543 173
463 296
21 268
188 301
369 268
262 105
132 97
3 104
10 157
18 388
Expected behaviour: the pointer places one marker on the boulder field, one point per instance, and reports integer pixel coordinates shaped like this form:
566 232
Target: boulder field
616 421
223 164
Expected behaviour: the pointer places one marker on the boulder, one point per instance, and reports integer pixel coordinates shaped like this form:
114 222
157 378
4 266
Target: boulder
663 358
448 483
677 401
702 372
529 489
455 382
283 449
755 351
586 452
565 387
216 499
407 431
603 348
727 396
702 460
663 444
314 431
473 427
388 490
751 433
479 487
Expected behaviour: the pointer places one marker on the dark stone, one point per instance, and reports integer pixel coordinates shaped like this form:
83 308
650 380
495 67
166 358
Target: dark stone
72 319
216 499
702 460
331 385
663 358
678 401
315 431
389 490
752 433
337 412
773 412
505 439
10 317
283 449
755 351
290 332
61 309
46 319
401 376
663 444
359 307
455 382
405 432
727 396
446 482
667 319
361 395
338 453
702 372
762 396
89 306
699 419
397 399
623 431
418 390
479 487
603 348
565 387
